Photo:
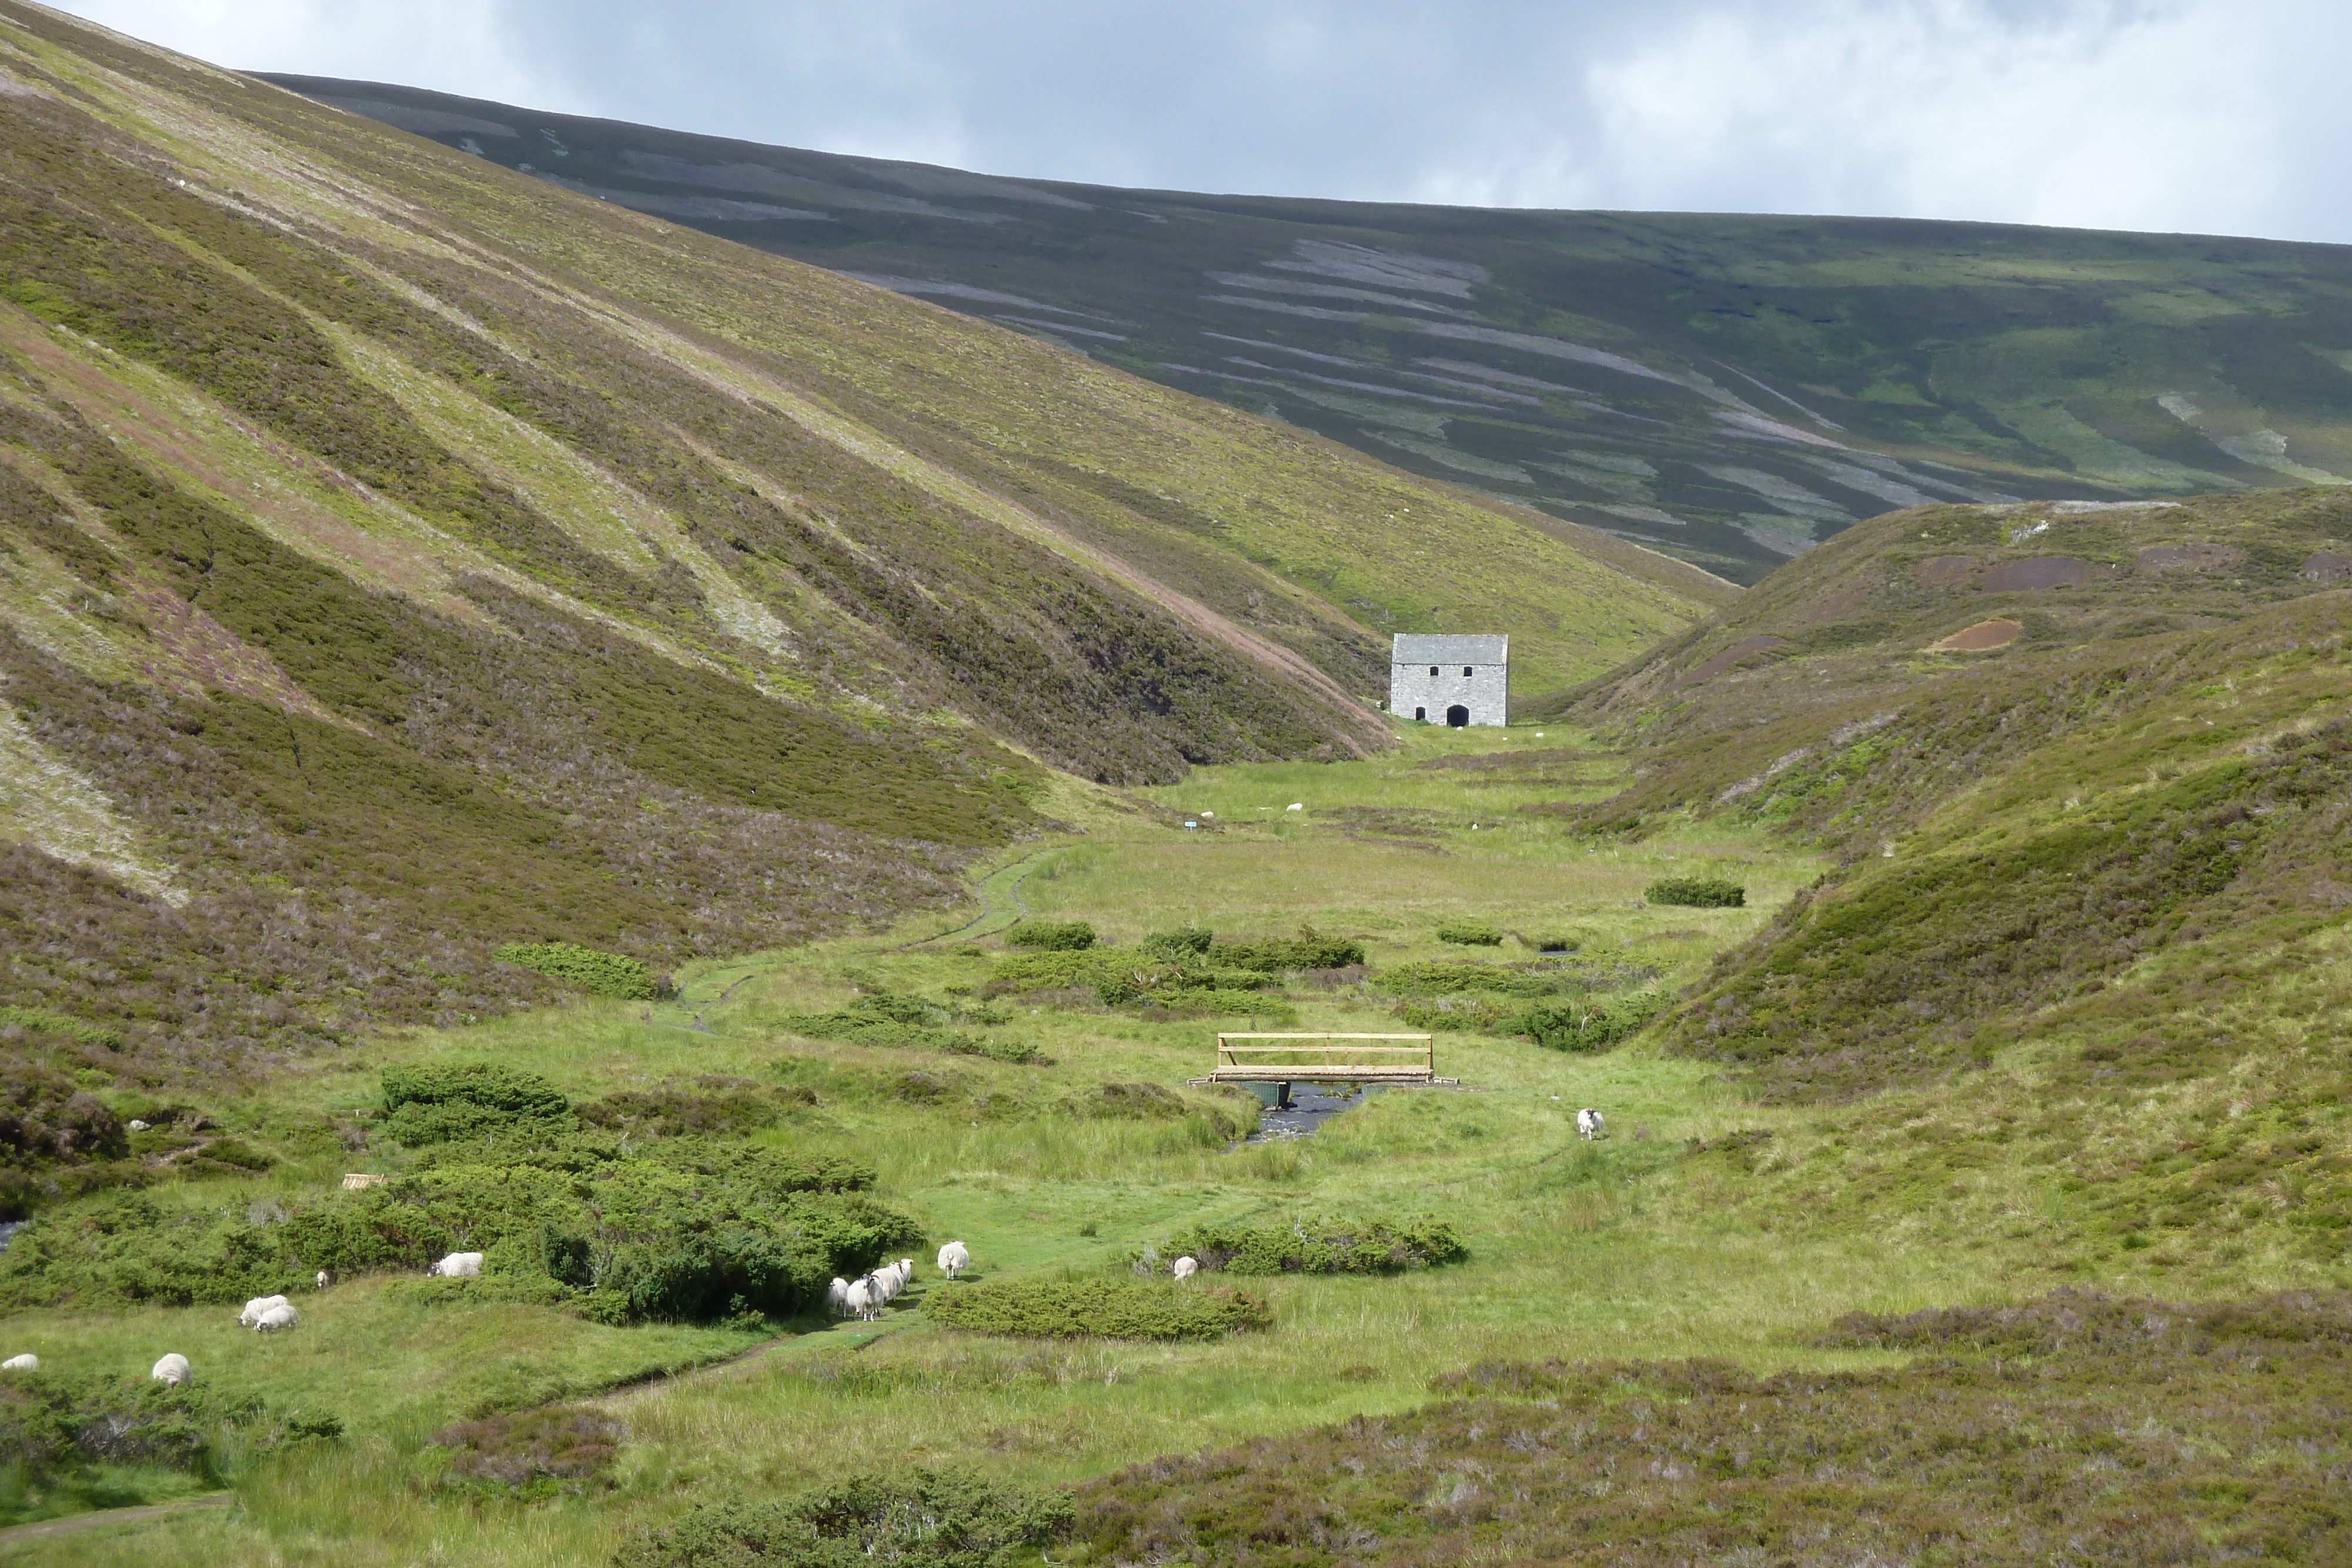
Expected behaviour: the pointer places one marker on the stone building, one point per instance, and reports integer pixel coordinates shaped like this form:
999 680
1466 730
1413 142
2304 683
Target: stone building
1455 681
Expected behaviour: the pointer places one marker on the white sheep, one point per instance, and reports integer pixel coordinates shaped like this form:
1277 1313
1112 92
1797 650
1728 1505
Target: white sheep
322 1279
1589 1124
906 1268
255 1308
138 1126
836 1297
865 1299
1185 1267
458 1266
21 1363
955 1259
172 1370
887 1282
281 1316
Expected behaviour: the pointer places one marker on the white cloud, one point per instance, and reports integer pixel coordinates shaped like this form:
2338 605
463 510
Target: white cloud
2213 115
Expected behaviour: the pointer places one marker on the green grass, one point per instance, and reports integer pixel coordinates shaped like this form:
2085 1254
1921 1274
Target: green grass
1574 1250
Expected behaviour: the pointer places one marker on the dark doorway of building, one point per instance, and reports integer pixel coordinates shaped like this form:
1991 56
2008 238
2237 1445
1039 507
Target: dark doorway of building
1421 713
1457 717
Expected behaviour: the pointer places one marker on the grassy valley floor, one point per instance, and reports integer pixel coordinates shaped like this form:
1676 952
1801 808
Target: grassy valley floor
1652 1244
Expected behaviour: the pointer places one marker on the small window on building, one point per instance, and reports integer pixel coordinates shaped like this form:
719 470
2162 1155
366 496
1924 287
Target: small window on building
1432 669
1465 669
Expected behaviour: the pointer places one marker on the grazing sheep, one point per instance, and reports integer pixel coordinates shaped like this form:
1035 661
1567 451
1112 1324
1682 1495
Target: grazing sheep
138 1126
955 1259
1589 1124
281 1316
865 1299
322 1279
836 1297
173 1370
21 1363
255 1308
1185 1267
458 1266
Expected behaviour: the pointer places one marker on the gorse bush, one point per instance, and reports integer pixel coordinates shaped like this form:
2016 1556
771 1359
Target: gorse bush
606 973
1590 1024
915 1516
1470 934
717 1232
1274 955
1695 893
439 1105
1112 1307
1052 935
1187 941
1321 1246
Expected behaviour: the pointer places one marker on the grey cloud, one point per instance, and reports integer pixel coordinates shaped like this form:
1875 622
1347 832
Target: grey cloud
2210 115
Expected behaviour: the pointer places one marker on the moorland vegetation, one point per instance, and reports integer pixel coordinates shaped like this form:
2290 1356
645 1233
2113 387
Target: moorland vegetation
1727 389
1976 1183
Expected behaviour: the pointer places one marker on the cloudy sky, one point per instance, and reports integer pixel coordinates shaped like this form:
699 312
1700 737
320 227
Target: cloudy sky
2216 116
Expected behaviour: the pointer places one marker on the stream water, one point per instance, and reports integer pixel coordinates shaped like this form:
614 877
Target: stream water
1311 1105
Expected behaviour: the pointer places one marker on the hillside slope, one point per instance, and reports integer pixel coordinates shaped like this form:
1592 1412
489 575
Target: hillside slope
1727 389
399 557
2095 798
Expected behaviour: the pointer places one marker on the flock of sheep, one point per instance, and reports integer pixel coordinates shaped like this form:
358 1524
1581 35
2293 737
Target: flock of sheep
267 1314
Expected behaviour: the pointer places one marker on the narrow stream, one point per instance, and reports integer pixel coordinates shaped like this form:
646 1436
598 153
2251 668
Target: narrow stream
1311 1105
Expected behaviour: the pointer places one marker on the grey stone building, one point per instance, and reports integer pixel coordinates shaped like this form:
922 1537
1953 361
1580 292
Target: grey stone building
1450 680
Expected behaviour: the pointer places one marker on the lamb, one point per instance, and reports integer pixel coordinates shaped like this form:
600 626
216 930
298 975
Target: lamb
281 1316
255 1308
322 1279
1185 1267
458 1266
21 1363
955 1259
172 1371
836 1297
1589 1124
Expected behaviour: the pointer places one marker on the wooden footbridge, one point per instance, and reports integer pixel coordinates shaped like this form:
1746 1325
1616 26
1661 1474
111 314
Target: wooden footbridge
1409 1059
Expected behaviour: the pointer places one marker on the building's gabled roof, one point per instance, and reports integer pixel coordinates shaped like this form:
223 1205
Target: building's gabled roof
1426 650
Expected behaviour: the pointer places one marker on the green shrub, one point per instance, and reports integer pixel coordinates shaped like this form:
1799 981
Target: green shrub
606 973
1187 941
1115 1307
442 1105
1052 935
1695 893
1274 955
1588 1024
730 1232
532 1454
483 1084
1321 1246
914 1516
1451 977
1470 934
1483 1014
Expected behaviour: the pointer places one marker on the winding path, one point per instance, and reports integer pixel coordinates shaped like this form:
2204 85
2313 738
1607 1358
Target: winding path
1000 895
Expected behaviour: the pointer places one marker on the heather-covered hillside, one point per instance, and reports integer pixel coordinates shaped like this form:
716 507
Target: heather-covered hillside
400 558
1728 388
